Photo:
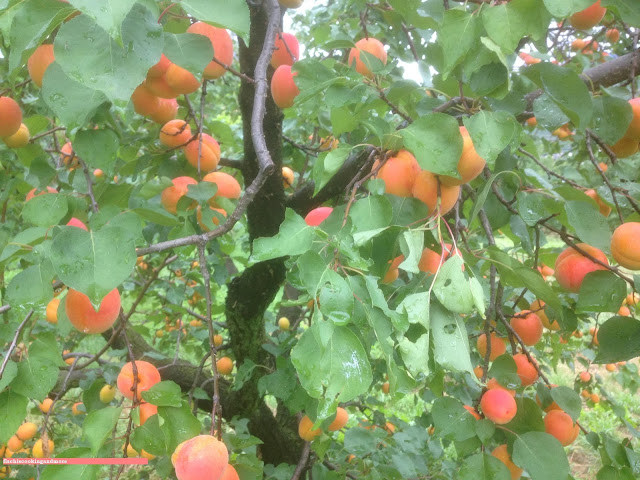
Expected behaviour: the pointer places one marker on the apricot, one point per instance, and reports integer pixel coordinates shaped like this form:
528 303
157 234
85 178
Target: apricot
224 365
215 219
613 34
98 173
75 410
14 443
624 245
288 177
532 122
625 147
498 346
502 454
181 80
399 173
19 139
537 307
493 383
201 457
473 412
230 474
425 189
585 376
579 44
146 410
392 273
166 111
286 50
217 340
528 326
107 393
318 215
209 153
283 88
385 387
283 323
430 260
222 48
478 371
470 164
603 166
291 3
45 406
27 431
144 102
562 133
52 311
610 367
171 195
305 429
38 449
10 117
624 311
228 187
175 133
603 207
595 398
160 87
589 17
571 266
342 416
160 68
561 425
498 406
372 46
39 61
525 369
68 156
148 376
85 318
74 222
633 299
633 130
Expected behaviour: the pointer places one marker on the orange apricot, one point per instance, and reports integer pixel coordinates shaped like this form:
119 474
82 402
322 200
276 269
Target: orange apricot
75 410
85 318
224 365
283 88
610 367
528 326
595 398
603 166
45 406
318 215
478 371
222 48
493 383
148 376
160 68
19 139
585 376
98 173
68 156
175 133
181 80
532 122
498 346
470 164
613 35
633 131
342 416
305 429
525 369
288 177
385 387
625 147
561 425
228 186
160 87
14 443
498 406
217 340
38 449
571 266
166 111
39 61
52 311
603 207
209 153
172 195
230 473
393 273
633 299
589 17
502 454
430 260
473 412
74 222
200 457
369 45
10 116
147 410
144 102
399 173
624 245
624 311
537 307
286 50
579 44
27 431
425 189
215 220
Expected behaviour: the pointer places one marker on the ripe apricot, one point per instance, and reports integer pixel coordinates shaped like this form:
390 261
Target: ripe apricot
228 187
160 87
502 453
222 48
470 164
160 68
200 457
52 311
525 369
166 111
399 173
532 122
595 398
342 416
478 371
528 326
144 102
579 44
369 45
393 273
39 61
385 387
215 220
498 346
181 80
633 130
318 215
146 410
224 365
604 208
27 431
45 406
562 133
209 152
624 245
283 88
68 156
498 406
571 266
19 139
107 393
14 443
38 449
305 429
613 34
175 133
585 376
217 340
561 425
603 166
171 195
75 410
624 311
430 260
537 307
425 189
633 299
610 367
283 323
288 177
473 412
148 376
74 222
98 173
286 50
230 474
10 116
589 17
85 318
625 147
493 383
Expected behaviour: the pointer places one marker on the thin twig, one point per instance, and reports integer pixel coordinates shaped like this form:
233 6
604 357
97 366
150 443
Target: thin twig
14 342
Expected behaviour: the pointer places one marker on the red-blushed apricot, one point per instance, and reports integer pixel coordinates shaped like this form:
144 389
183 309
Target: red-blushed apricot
473 412
19 139
215 219
470 164
342 416
613 35
291 3
10 116
148 376
14 443
38 449
498 346
107 393
546 271
85 318
230 473
528 326
624 245
74 222
201 457
624 311
144 102
603 207
181 80
288 177
589 17
45 406
537 307
146 410
572 266
595 398
160 68
493 383
75 410
209 153
222 48
425 189
305 429
561 425
286 50
625 147
525 369
372 46
175 133
224 365
498 406
160 87
392 273
399 173
228 187
532 122
283 88
502 453
98 173
167 110
27 431
39 61
171 195
318 215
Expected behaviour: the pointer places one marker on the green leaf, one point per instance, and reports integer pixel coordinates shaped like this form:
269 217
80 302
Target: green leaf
451 420
568 400
294 238
482 197
504 370
435 141
370 213
601 291
336 298
564 8
97 148
31 287
179 425
459 34
450 339
483 466
541 455
13 410
611 118
202 192
590 225
98 425
77 472
99 261
619 339
45 210
164 394
341 368
492 132
38 371
188 50
452 288
150 437
328 164
10 372
109 16
411 245
231 14
508 23
628 10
